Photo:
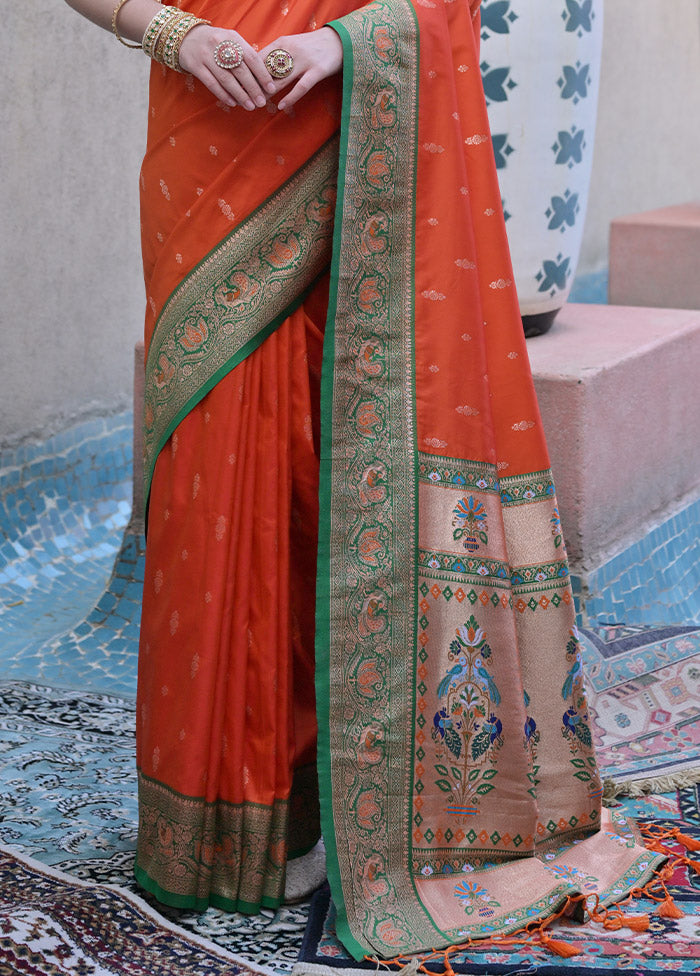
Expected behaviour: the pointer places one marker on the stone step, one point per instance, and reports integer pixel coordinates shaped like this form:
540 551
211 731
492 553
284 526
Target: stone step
618 393
655 258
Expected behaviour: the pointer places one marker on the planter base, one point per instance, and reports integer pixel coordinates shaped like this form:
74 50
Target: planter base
534 325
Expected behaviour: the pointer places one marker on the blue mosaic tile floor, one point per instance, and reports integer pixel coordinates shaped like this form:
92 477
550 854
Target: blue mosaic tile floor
71 574
70 578
654 581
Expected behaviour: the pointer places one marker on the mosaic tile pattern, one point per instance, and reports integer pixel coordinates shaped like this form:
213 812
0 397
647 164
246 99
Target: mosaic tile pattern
71 572
655 581
70 580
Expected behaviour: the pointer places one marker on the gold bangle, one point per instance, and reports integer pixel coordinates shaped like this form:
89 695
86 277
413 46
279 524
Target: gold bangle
175 54
114 26
155 29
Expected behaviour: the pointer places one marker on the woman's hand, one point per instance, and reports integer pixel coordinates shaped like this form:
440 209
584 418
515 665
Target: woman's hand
317 55
249 85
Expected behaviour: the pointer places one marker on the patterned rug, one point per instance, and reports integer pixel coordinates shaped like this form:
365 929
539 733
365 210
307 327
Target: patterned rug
51 923
669 945
644 692
68 799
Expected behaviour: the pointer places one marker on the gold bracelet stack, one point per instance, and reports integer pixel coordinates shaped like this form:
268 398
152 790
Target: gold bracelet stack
164 35
155 29
173 36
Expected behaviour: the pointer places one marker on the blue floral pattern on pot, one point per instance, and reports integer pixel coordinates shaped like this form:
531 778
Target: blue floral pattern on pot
540 65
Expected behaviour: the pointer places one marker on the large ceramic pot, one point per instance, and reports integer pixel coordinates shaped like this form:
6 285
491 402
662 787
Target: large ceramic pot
540 62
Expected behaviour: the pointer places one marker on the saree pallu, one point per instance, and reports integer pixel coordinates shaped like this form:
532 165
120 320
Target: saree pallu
459 791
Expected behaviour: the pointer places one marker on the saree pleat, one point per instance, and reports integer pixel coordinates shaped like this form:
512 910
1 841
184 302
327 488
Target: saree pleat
226 710
226 731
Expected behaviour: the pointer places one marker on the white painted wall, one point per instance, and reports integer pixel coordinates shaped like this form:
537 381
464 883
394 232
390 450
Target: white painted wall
72 119
647 152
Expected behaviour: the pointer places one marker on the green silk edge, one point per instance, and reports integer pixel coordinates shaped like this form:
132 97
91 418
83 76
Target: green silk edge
324 533
201 904
243 352
323 561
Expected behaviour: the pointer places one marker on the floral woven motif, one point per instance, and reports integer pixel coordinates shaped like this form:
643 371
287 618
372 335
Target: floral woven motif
669 945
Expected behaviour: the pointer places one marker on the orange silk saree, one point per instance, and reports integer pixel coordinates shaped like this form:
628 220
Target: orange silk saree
459 791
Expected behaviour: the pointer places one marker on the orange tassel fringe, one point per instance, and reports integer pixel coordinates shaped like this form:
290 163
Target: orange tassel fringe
656 839
559 948
637 923
669 909
687 841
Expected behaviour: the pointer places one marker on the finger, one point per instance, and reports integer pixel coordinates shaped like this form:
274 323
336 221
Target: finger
302 87
236 91
248 82
279 84
257 66
207 78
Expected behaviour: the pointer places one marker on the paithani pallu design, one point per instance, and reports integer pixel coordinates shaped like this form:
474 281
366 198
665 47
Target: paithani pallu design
460 796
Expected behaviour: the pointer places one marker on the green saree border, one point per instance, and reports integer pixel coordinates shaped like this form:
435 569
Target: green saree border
370 423
236 296
193 852
201 904
323 697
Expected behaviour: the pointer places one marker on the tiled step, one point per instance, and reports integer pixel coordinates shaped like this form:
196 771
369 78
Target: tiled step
618 391
655 258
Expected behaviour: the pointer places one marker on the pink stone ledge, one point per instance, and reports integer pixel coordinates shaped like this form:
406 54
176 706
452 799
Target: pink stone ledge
655 258
619 393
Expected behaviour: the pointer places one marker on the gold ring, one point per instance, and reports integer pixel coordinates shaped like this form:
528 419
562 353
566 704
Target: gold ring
228 54
279 63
